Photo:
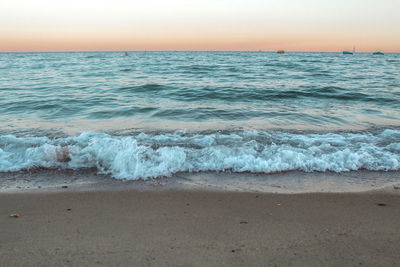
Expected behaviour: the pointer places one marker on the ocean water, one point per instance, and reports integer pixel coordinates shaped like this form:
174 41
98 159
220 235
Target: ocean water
156 115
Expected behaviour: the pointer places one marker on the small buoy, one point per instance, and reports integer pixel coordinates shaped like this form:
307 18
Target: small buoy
14 215
126 53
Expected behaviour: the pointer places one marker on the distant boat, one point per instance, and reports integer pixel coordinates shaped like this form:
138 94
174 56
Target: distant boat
378 53
350 53
281 52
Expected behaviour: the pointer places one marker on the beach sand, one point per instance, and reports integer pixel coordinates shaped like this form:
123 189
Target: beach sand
199 228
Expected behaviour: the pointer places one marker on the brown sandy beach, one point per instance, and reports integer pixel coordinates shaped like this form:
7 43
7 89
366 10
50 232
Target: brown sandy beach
199 228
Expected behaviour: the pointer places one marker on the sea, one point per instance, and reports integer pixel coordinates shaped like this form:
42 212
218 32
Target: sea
242 121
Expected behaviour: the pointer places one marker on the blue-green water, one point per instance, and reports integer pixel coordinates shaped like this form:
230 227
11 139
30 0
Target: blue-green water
153 114
201 90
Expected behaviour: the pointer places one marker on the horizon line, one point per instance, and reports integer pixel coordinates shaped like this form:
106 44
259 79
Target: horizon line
176 50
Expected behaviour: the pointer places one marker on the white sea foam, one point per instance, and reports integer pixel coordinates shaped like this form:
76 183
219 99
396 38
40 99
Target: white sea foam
145 156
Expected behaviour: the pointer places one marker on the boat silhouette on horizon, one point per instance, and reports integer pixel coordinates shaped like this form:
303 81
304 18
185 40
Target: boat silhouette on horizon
350 53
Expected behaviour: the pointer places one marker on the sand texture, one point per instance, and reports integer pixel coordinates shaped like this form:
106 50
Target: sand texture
199 228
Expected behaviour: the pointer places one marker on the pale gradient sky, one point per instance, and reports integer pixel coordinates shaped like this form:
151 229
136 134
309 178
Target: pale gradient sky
294 25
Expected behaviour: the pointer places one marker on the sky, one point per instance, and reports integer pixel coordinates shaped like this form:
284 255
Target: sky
292 25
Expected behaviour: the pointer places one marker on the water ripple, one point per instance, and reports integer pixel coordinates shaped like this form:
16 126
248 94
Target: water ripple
257 89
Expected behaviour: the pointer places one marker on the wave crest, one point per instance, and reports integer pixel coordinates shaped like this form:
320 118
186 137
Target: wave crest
145 156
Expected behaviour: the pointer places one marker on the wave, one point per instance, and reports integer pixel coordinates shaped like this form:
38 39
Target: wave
145 156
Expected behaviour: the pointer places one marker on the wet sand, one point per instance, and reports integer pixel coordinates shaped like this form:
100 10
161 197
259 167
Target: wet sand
199 228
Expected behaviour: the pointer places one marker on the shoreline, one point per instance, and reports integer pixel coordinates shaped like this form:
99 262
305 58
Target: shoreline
198 227
293 182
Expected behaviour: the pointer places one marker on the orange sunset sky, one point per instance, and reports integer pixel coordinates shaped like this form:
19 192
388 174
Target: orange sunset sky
294 25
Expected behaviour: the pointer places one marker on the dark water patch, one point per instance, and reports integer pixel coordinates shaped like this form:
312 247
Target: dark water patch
345 96
234 69
125 112
371 111
213 113
383 100
94 56
238 94
203 114
198 69
146 88
329 90
45 106
335 93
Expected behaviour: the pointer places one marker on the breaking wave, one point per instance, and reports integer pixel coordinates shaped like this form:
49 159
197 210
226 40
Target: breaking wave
145 156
